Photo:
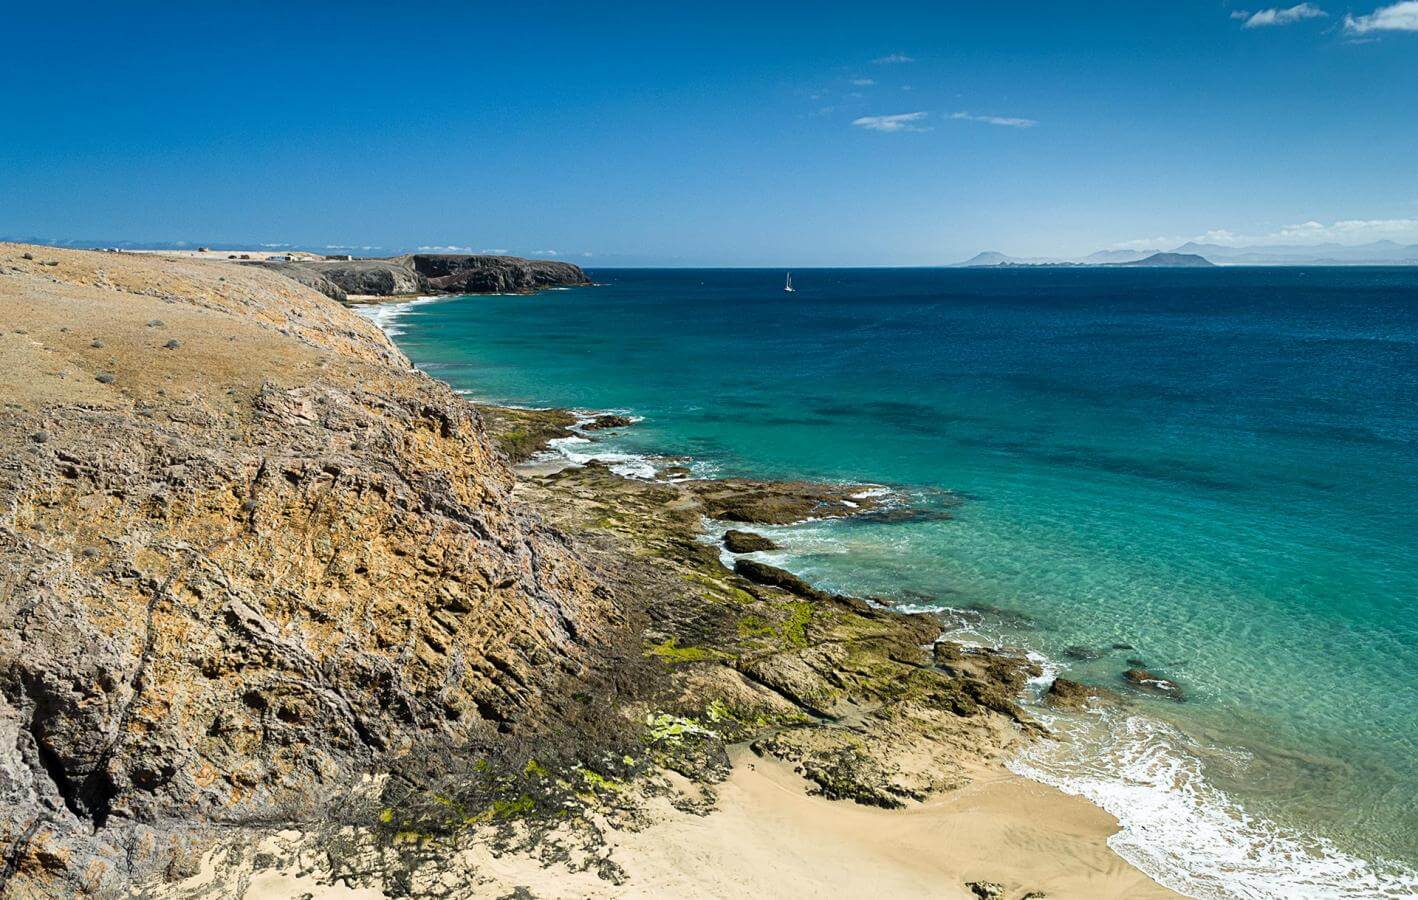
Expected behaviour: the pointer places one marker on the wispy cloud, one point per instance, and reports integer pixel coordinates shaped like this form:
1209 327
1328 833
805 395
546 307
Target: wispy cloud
1342 231
544 253
899 122
1006 121
1351 230
445 248
892 58
1280 16
863 82
1398 17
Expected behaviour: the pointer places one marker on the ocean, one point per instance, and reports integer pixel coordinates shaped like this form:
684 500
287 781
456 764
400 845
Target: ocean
1212 471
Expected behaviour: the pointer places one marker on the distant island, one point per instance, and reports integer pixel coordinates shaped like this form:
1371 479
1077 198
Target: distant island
1171 261
1156 260
1376 253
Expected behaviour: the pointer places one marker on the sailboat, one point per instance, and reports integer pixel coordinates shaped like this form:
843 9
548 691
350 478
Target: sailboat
788 286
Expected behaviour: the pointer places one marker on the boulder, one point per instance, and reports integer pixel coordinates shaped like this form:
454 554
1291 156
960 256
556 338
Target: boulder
1067 694
608 420
772 576
1151 683
736 541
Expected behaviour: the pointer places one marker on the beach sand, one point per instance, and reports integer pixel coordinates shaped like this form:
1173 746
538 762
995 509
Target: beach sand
768 838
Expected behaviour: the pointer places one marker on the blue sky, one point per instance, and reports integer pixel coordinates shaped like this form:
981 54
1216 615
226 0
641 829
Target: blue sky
717 134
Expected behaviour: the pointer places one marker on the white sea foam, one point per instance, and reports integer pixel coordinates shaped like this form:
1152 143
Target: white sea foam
631 465
1185 832
387 315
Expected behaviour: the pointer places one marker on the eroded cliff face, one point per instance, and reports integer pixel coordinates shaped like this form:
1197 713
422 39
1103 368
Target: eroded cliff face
428 273
246 551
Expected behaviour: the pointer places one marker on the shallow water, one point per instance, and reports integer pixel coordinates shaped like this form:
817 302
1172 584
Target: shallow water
1218 468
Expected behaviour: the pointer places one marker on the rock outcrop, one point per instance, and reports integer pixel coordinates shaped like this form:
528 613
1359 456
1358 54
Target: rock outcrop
459 274
736 541
429 273
246 553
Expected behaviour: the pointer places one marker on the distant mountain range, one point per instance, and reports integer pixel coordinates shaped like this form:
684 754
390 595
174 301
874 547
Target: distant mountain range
1109 258
1378 253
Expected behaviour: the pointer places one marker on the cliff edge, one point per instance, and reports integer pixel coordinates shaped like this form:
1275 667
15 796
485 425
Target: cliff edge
429 273
246 552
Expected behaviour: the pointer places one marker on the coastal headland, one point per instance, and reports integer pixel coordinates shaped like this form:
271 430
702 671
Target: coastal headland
279 616
415 274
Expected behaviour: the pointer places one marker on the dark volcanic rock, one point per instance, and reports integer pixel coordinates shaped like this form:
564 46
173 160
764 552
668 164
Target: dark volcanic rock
1004 667
1067 694
780 502
521 433
746 542
608 420
368 277
762 573
459 274
428 273
1144 680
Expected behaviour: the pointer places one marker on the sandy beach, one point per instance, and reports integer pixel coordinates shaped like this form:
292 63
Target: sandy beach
768 838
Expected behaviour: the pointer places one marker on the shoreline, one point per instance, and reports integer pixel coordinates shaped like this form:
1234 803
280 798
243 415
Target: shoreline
768 837
614 668
1227 847
541 455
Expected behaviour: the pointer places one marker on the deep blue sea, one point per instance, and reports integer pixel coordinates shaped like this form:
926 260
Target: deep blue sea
1216 467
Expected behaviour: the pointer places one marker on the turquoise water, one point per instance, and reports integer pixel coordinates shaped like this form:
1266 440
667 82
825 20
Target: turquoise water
1218 468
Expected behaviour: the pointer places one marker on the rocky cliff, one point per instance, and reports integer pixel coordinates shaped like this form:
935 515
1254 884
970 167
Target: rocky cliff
429 273
246 551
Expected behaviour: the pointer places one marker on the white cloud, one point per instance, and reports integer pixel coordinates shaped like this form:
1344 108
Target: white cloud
544 253
1398 17
446 248
893 58
898 122
863 82
1343 231
1348 231
1240 14
1286 16
1007 121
